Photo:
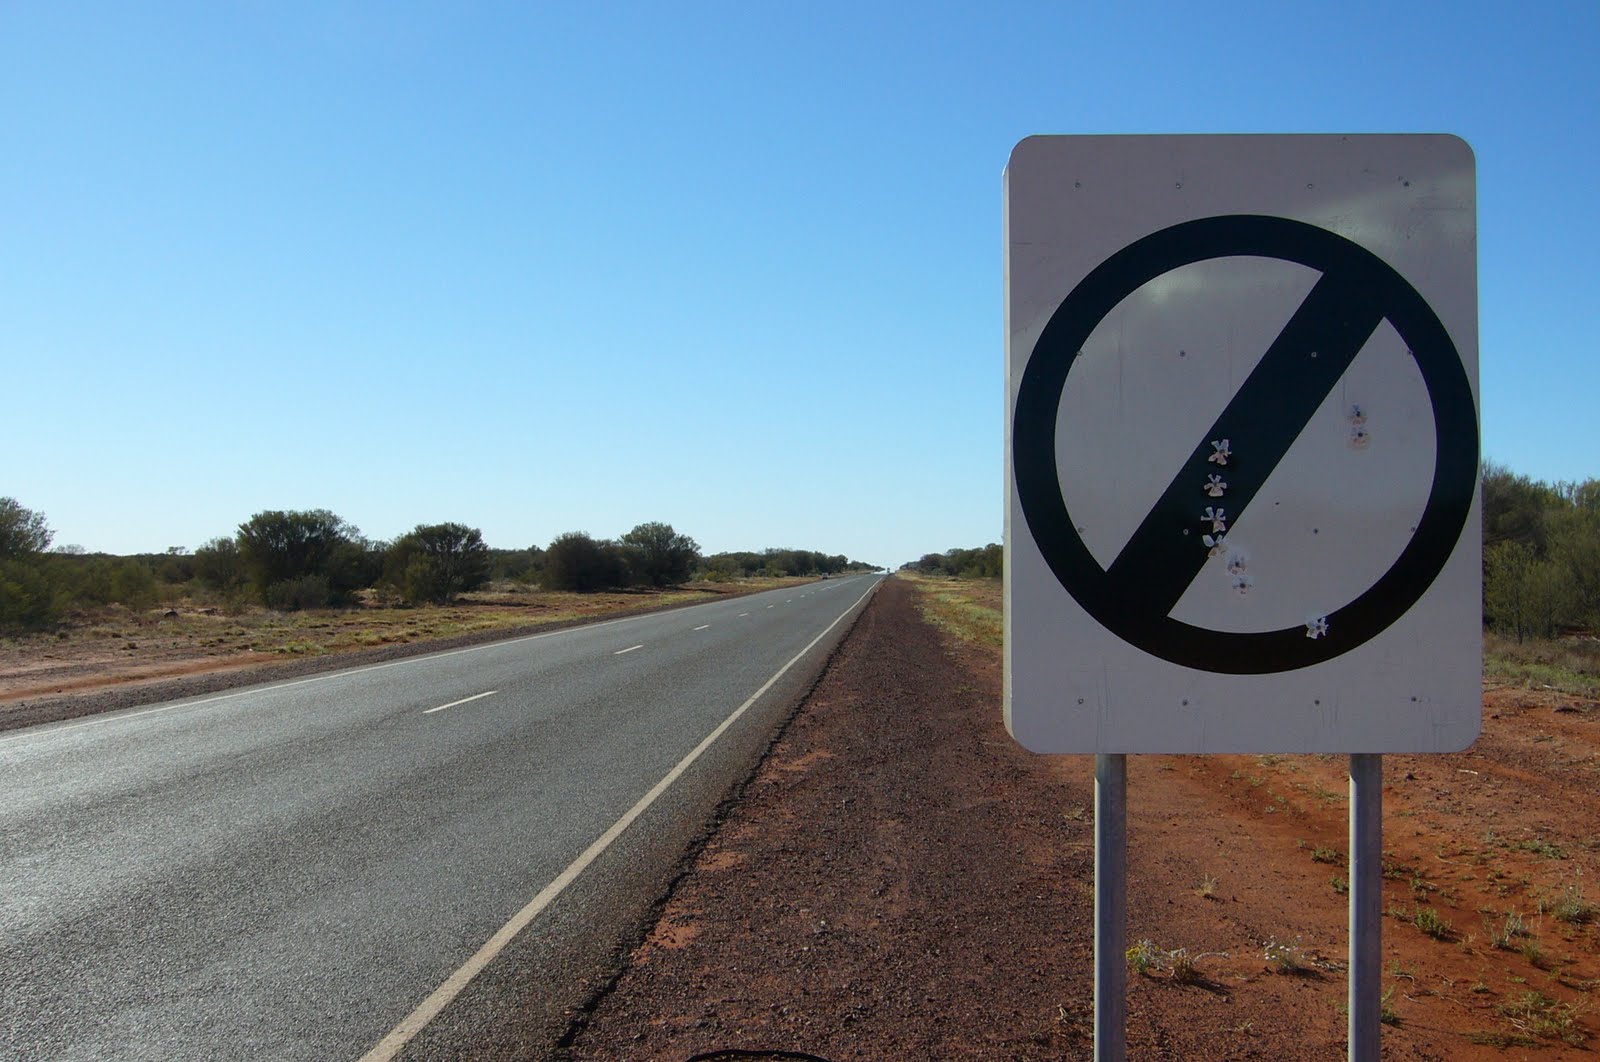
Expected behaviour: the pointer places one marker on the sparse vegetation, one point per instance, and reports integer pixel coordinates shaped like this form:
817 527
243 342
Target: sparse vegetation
1285 957
1387 1014
1184 969
1499 1038
967 609
1570 906
1431 923
1541 847
1537 1015
1508 931
1147 958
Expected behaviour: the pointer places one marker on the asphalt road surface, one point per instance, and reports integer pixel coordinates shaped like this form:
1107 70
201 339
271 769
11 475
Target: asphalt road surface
429 858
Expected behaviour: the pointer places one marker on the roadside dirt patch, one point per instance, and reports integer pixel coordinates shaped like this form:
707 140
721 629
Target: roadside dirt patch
900 880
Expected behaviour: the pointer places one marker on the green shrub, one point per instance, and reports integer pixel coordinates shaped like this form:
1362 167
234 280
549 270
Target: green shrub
436 562
575 561
28 600
133 585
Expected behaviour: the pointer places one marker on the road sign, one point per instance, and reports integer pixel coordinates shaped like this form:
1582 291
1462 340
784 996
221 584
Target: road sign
1242 444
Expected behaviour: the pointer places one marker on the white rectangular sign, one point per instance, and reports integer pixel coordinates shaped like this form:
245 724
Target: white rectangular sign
1242 444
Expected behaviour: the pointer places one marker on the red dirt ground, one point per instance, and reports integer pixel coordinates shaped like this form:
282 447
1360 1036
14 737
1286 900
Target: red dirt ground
900 880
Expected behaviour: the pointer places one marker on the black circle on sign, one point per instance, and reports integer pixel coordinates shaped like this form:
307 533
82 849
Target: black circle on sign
1365 278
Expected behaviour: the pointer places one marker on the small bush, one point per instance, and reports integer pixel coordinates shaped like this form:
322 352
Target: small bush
1504 935
1431 923
1570 906
1284 957
1184 969
1387 1015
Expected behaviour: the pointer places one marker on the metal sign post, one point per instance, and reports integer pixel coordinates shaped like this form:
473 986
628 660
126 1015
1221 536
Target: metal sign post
1110 907
1366 904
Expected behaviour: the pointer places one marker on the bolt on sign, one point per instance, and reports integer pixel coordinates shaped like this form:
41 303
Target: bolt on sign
1242 444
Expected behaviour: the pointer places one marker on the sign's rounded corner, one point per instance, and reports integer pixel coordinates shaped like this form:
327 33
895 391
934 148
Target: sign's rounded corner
1467 740
1023 146
1029 740
1464 146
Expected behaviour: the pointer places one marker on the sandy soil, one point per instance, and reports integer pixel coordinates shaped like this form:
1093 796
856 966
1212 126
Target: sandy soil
900 880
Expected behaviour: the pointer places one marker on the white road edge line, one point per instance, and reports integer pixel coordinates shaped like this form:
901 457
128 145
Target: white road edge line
629 649
464 700
707 627
417 1020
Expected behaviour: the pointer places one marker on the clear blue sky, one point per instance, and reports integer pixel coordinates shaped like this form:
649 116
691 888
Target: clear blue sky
735 266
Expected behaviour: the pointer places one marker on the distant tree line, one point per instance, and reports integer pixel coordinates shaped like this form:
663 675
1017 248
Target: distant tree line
777 562
984 562
1541 554
290 560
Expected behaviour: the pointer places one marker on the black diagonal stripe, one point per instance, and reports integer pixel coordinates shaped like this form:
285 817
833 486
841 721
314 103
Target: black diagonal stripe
1269 412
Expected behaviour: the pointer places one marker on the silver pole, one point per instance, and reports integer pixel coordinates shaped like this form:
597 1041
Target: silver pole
1110 907
1366 904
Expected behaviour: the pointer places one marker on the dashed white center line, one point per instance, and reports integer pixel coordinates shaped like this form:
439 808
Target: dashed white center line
706 627
771 606
629 649
742 615
464 700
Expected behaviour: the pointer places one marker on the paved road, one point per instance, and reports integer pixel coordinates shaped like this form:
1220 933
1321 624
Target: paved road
289 872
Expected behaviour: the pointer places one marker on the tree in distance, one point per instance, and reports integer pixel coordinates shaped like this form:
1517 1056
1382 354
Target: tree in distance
218 565
577 562
435 562
304 559
659 555
28 599
22 531
1541 558
517 565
